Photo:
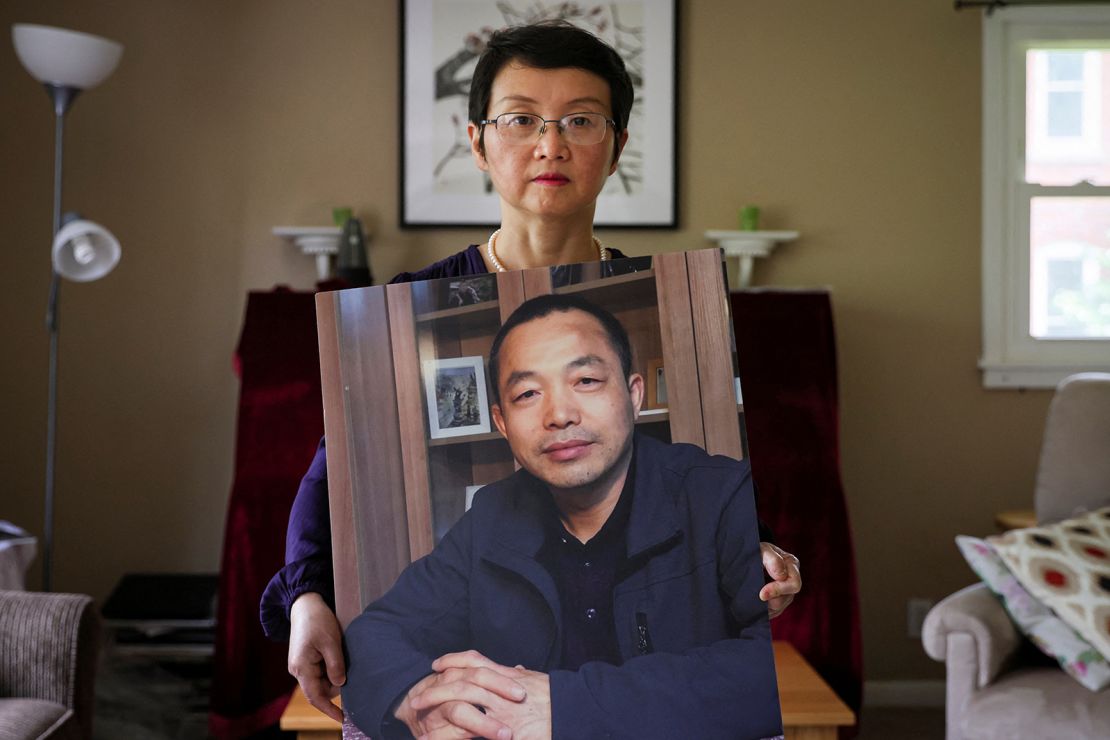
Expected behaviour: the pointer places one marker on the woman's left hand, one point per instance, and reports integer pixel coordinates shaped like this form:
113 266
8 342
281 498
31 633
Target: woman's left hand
786 571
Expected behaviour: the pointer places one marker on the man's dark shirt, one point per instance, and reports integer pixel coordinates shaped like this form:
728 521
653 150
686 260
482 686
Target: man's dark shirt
584 576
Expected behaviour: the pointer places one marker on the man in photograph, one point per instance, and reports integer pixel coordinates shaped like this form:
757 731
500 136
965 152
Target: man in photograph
609 588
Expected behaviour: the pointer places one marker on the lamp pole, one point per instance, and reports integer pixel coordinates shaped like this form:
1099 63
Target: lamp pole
65 62
63 98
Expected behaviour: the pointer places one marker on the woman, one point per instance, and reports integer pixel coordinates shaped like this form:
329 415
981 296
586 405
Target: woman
549 105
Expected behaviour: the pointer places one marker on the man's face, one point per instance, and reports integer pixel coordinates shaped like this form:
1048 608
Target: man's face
565 407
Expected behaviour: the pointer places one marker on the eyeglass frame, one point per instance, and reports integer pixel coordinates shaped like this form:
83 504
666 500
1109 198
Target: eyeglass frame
559 127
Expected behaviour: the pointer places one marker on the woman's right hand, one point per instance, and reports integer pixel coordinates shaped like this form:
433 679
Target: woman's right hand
316 652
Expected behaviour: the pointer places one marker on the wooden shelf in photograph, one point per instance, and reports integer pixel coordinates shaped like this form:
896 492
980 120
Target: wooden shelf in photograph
651 416
618 290
464 439
606 283
447 313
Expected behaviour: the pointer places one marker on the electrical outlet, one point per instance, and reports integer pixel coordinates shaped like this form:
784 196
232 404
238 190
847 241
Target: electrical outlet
916 609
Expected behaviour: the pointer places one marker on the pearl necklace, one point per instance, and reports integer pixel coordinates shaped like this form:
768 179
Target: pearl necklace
602 251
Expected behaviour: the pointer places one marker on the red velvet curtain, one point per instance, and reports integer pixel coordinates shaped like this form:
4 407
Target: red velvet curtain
787 356
280 423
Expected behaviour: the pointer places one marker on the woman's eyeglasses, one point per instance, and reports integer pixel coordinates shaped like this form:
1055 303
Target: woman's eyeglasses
576 128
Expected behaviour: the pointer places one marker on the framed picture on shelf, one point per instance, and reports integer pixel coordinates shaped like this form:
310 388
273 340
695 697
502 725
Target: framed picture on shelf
470 291
457 400
440 44
656 386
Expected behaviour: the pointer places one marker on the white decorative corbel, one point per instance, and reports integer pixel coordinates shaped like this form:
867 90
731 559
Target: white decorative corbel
321 242
745 246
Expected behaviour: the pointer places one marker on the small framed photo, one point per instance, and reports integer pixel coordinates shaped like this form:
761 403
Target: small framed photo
457 400
470 491
469 291
656 386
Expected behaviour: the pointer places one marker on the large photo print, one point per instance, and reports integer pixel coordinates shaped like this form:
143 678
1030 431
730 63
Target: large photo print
585 535
442 39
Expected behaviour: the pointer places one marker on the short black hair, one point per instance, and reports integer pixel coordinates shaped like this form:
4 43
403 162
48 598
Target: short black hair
540 306
550 45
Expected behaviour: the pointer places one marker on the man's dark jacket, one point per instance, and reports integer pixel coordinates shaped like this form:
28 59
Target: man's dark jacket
692 632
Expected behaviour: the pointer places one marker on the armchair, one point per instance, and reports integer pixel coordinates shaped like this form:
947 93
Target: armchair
48 650
992 691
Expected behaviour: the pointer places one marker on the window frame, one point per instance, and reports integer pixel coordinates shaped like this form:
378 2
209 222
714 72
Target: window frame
1011 357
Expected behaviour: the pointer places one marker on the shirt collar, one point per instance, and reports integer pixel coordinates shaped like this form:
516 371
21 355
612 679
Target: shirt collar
651 521
617 523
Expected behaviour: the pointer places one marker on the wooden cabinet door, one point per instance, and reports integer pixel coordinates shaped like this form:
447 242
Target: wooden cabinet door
370 543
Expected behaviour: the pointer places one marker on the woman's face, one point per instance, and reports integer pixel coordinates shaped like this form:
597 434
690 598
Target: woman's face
546 177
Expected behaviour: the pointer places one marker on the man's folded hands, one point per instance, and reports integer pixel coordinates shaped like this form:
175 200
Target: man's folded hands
469 695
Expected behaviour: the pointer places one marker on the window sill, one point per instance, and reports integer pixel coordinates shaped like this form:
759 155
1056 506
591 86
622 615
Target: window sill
1016 377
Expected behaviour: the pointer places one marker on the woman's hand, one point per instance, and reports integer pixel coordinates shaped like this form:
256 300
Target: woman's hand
316 652
786 570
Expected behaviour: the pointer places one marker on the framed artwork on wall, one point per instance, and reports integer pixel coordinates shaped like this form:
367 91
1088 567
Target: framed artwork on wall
441 41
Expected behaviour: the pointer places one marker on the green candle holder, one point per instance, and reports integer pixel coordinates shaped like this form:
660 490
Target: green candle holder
749 218
339 216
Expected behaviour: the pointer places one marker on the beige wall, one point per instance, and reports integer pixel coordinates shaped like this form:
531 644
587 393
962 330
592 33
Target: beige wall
855 123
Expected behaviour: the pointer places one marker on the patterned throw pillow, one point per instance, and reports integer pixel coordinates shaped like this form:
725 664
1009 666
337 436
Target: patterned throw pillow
1067 567
1035 620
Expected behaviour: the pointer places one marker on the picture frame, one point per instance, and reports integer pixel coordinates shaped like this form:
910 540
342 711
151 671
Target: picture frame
469 291
656 382
457 401
441 41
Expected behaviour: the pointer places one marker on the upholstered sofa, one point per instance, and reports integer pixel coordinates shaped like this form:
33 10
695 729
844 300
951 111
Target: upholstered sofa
48 650
997 687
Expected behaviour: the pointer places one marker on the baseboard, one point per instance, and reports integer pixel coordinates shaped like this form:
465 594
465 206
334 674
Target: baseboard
903 693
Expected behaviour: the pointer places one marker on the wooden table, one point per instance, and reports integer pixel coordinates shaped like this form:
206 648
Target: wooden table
1015 519
307 721
810 709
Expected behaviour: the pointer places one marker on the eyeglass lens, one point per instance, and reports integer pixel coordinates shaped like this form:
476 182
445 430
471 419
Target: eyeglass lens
576 128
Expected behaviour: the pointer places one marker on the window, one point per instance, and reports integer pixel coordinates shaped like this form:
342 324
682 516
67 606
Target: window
1063 109
1046 194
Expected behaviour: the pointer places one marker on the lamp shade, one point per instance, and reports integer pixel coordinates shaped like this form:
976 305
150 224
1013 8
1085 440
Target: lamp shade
55 56
85 251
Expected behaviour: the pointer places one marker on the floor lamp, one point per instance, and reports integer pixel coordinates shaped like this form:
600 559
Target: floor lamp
66 63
